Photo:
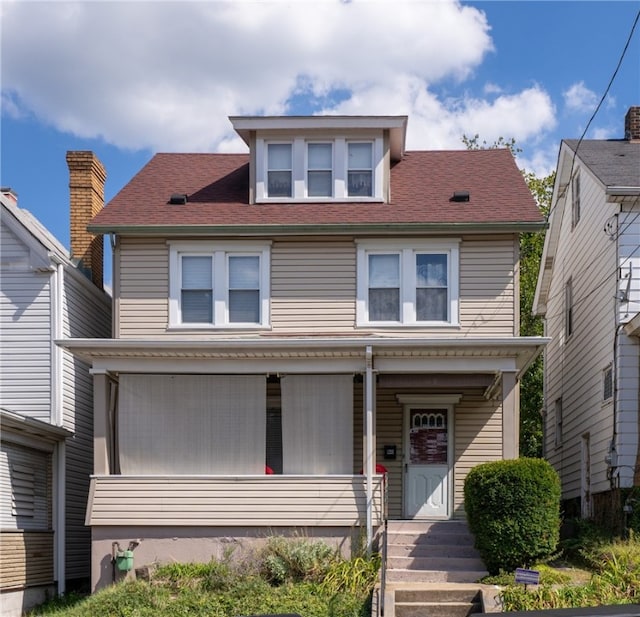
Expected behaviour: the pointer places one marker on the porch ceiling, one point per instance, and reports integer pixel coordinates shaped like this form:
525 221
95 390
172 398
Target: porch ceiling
519 352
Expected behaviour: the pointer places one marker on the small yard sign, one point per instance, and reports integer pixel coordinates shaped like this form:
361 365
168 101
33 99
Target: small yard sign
528 577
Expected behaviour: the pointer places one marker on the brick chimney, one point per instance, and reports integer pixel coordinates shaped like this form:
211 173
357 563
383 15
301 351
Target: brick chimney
632 124
86 188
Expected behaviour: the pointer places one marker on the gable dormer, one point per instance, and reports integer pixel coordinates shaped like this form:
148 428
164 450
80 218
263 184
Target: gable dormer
321 158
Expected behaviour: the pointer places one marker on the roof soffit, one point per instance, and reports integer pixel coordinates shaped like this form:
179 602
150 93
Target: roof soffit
396 125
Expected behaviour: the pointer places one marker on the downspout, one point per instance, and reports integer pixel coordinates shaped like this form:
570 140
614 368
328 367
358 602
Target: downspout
368 383
57 419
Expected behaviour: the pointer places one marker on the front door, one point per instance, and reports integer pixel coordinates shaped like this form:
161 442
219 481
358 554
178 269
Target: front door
427 452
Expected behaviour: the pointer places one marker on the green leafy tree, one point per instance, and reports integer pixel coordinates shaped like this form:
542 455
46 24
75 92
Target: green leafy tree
531 244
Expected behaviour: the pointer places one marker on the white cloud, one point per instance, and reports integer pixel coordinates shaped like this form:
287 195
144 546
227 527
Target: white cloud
579 98
165 75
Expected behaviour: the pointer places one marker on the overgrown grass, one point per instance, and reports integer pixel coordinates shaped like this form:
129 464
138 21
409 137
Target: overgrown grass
287 576
615 580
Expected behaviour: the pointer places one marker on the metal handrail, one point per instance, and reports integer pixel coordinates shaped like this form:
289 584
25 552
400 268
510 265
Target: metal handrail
383 565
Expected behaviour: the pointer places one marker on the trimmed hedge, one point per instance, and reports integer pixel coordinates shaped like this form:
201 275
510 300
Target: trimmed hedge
513 509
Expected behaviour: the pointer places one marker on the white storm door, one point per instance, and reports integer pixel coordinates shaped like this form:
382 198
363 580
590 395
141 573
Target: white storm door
427 452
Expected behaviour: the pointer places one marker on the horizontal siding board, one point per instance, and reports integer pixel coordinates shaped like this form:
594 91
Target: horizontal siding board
574 365
25 323
27 559
87 314
313 287
281 500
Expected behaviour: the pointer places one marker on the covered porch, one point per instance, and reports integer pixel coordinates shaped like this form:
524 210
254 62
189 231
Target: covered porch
252 434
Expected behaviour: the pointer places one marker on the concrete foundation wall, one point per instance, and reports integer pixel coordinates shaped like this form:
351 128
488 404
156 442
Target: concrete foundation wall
162 545
14 603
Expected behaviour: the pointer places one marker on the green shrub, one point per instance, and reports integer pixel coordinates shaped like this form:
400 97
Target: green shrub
513 509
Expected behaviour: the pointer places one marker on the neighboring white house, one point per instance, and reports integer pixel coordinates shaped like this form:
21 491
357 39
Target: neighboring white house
46 401
589 295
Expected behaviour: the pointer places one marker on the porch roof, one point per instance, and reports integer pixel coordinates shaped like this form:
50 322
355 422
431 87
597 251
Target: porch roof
344 353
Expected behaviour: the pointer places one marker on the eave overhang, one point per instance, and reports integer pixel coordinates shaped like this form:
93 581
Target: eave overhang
338 229
425 353
396 125
632 327
31 427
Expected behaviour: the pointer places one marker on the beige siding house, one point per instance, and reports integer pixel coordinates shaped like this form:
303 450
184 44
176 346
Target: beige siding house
308 338
589 295
46 405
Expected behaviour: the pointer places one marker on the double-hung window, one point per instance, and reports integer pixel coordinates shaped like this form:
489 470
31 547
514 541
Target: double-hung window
244 288
319 169
407 283
196 288
360 169
219 285
384 286
279 170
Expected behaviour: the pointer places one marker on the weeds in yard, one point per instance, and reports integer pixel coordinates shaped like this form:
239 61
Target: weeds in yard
615 579
283 578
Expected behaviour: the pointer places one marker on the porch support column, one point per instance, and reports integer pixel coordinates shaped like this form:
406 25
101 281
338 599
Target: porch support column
369 388
510 416
101 392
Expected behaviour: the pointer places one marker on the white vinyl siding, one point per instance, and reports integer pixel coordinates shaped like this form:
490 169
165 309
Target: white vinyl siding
629 263
573 365
38 379
190 424
87 314
25 323
25 488
241 501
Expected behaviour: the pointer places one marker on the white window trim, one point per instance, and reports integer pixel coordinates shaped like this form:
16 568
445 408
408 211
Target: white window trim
220 252
576 197
407 250
293 167
299 169
607 369
307 169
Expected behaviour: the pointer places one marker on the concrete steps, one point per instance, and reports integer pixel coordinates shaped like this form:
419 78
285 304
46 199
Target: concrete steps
437 602
436 551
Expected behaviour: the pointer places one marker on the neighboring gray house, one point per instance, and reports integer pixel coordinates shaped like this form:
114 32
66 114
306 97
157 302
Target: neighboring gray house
589 295
46 395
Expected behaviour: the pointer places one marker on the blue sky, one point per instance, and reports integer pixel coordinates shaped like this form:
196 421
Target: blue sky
127 79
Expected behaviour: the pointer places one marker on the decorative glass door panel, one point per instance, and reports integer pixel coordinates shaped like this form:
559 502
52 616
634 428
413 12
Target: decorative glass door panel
427 465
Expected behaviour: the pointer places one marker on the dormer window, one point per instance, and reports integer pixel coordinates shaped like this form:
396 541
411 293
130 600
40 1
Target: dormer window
360 169
336 169
320 169
319 159
279 170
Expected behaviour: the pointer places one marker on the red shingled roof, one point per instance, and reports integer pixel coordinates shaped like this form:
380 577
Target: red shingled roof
421 187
